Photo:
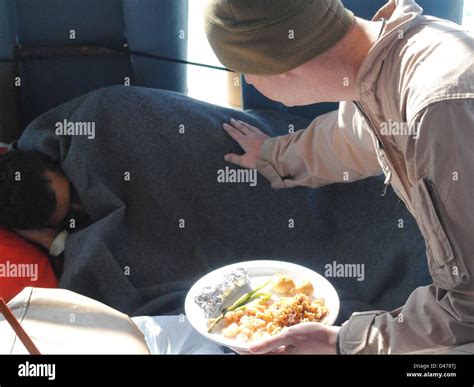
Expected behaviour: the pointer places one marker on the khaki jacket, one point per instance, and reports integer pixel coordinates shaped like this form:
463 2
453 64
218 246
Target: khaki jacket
414 121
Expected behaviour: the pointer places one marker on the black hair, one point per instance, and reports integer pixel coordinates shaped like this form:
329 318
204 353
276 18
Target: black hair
26 198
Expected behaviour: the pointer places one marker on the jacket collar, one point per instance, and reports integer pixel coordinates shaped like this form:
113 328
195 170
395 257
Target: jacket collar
400 16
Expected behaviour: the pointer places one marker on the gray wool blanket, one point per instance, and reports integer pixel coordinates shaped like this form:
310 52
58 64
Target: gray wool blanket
165 210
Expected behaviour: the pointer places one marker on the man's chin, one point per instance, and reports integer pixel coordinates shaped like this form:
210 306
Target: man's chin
294 103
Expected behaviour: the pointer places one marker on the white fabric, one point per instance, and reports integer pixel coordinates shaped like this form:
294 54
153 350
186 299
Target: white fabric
173 335
59 244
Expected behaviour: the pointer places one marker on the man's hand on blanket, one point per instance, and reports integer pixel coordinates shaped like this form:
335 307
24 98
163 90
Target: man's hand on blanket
42 236
250 140
304 338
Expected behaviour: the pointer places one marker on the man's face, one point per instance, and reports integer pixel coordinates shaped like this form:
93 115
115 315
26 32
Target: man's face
312 82
291 89
273 87
62 190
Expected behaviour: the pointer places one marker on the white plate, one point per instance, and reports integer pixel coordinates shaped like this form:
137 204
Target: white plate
259 271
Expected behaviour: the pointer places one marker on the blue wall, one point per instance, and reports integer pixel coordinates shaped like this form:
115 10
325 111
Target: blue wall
150 26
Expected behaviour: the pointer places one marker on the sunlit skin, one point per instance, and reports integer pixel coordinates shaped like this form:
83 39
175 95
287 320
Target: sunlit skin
59 184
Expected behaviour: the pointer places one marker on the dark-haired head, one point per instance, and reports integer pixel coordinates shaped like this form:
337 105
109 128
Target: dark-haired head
33 191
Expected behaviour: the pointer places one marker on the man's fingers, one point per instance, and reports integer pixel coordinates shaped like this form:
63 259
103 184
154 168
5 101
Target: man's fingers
279 351
233 158
247 141
252 128
272 344
233 132
245 127
241 126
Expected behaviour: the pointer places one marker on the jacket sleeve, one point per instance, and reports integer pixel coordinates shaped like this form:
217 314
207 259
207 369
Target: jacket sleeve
336 147
440 316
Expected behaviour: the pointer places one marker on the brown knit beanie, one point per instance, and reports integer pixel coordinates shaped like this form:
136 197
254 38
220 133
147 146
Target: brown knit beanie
274 36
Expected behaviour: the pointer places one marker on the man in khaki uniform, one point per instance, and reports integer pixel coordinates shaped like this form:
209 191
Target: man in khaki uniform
408 85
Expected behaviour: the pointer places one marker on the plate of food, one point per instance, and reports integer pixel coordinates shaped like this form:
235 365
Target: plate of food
245 302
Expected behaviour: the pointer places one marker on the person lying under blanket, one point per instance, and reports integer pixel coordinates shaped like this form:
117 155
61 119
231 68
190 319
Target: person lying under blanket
38 201
147 205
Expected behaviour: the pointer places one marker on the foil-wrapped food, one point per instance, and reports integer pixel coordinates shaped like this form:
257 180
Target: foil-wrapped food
213 299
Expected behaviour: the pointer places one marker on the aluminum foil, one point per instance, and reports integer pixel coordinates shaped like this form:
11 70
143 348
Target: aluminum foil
213 299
